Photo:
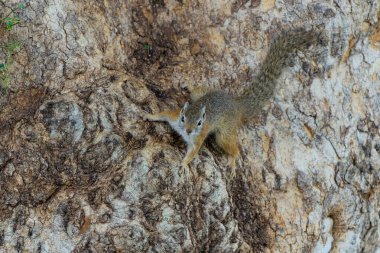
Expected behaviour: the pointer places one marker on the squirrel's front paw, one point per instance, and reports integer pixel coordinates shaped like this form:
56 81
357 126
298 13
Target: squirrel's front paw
185 164
184 168
186 171
148 116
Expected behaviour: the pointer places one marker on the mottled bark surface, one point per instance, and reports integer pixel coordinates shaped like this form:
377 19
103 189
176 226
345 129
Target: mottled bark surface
81 171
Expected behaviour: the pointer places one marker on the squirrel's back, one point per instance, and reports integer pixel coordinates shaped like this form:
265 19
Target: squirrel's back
220 106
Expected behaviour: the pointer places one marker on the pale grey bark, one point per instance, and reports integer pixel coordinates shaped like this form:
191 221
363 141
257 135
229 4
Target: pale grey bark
81 171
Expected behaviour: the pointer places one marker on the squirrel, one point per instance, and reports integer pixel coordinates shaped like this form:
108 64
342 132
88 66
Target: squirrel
219 113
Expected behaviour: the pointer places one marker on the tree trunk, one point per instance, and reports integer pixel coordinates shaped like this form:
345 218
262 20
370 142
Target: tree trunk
82 171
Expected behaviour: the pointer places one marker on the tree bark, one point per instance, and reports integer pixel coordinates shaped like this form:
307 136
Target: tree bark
82 171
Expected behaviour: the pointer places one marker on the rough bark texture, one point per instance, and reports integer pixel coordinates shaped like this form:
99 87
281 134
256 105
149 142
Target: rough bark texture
80 171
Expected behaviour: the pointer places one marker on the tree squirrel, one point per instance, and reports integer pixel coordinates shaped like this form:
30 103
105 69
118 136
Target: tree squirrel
216 112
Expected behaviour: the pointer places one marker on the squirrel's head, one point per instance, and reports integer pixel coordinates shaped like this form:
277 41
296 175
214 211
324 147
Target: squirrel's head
192 118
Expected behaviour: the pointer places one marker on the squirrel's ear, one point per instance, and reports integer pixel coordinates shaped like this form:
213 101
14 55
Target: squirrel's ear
203 112
184 107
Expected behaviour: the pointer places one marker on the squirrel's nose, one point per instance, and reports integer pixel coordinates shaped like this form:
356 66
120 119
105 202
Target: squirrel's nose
188 131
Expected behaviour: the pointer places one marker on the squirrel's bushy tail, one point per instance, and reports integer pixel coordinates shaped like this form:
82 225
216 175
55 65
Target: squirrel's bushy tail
280 50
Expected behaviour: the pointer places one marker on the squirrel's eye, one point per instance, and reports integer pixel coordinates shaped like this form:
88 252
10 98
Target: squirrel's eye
199 123
183 118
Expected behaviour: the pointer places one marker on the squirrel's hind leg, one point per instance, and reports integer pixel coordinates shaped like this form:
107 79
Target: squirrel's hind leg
228 142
